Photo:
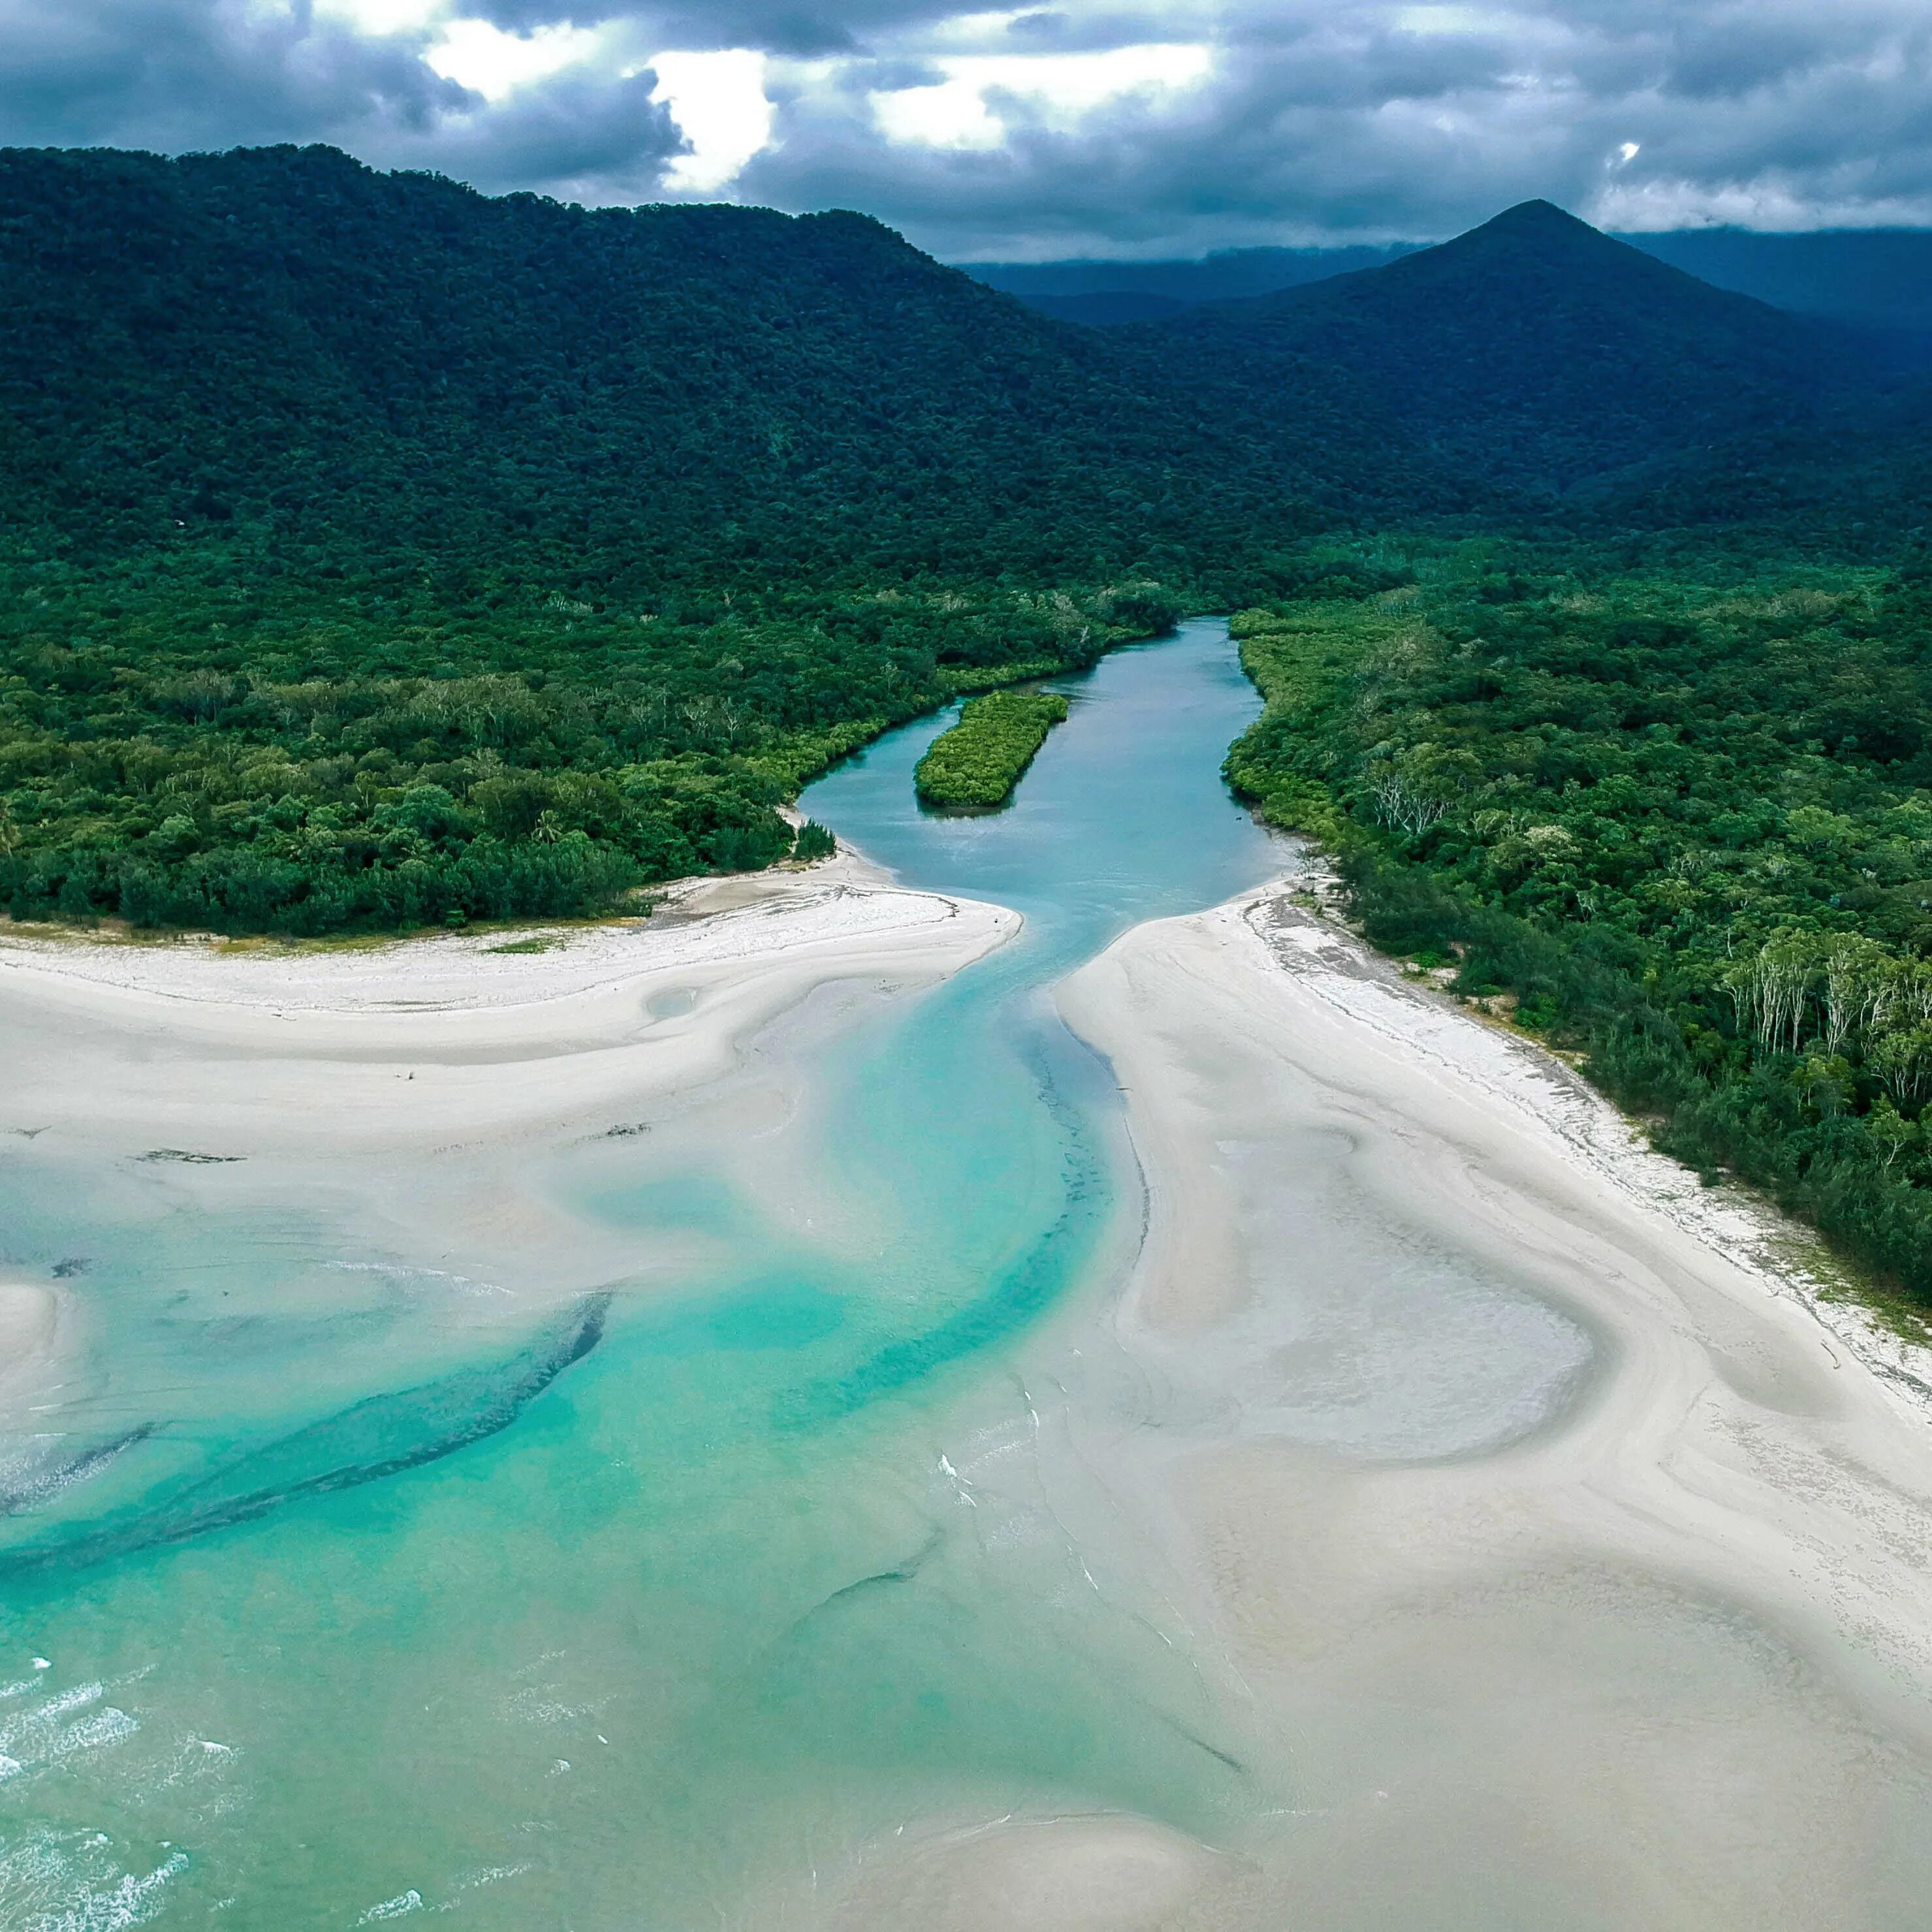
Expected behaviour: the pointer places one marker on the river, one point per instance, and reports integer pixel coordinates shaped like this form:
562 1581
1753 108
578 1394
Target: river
712 1606
675 1613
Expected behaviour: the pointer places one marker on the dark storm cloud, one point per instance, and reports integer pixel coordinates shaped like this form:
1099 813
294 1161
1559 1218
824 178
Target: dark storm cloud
184 73
1318 119
800 31
179 75
580 137
1343 122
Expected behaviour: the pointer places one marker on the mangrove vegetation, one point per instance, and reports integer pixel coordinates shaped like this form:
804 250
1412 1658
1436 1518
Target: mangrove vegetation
977 763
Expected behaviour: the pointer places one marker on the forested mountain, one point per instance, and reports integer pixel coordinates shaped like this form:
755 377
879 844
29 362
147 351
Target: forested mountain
372 551
1873 277
1228 274
285 354
1106 308
377 552
1525 357
288 342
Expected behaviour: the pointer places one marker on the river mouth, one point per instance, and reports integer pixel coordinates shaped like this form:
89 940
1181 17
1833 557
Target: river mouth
806 1485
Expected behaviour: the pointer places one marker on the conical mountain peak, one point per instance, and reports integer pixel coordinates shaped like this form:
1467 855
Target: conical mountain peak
1535 335
1538 227
1536 214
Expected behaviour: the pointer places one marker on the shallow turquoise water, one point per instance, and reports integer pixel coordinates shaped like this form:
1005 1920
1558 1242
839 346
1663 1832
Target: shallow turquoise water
351 1615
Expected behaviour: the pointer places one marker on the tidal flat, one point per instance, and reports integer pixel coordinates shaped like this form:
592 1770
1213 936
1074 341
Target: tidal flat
991 1386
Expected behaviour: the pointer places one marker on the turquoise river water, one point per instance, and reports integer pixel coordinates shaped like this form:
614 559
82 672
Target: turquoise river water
673 1601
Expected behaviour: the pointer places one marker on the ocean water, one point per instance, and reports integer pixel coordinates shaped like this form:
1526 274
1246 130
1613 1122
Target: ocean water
324 1602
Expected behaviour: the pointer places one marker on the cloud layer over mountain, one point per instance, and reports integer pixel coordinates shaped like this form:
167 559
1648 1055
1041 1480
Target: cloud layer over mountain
1084 128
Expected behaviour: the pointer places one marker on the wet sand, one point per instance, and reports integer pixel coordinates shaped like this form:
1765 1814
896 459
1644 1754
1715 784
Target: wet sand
27 1317
29 1321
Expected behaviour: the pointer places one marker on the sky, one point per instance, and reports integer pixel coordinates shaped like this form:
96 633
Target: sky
1089 128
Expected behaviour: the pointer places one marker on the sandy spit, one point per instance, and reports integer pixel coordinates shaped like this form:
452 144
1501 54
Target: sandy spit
202 1049
415 1090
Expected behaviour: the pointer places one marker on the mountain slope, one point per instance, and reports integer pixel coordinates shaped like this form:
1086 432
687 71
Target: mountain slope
1526 356
374 553
286 341
1874 277
1225 276
1107 308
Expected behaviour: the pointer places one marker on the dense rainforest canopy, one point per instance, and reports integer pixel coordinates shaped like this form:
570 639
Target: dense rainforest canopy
186 750
314 362
374 553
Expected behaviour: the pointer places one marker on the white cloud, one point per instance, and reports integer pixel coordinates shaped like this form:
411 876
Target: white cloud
484 59
1058 90
1657 207
952 115
384 16
718 101
1455 20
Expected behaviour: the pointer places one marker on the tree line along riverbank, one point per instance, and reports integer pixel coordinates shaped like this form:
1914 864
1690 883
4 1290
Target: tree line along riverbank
1681 819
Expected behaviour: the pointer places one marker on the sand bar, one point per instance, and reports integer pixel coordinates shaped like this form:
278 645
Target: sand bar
29 1321
250 1050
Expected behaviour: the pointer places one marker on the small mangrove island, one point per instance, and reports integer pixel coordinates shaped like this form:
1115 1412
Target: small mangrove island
978 763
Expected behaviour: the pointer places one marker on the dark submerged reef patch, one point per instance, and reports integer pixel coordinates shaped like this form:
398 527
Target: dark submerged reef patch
381 1436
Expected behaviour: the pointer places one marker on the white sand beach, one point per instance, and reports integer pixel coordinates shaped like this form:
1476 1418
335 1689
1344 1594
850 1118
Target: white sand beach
1669 1652
1570 1565
417 1080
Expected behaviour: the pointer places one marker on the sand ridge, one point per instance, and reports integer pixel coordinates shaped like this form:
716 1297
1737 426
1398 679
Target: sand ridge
208 1052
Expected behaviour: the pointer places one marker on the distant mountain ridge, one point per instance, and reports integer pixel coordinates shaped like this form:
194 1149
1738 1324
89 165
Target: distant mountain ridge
284 341
1875 278
1225 276
293 350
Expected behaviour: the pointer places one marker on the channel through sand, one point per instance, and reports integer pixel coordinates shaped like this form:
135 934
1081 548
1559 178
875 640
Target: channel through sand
732 1421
